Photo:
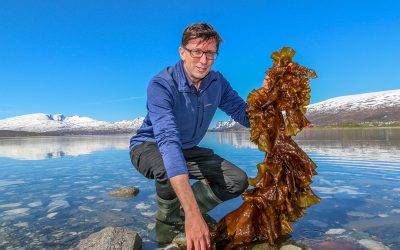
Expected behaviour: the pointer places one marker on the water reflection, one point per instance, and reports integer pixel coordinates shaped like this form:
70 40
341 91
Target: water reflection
372 144
40 148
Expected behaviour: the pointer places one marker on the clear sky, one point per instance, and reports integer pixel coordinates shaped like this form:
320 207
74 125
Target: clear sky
95 58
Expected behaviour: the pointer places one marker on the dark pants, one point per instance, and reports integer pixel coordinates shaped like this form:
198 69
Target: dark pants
225 179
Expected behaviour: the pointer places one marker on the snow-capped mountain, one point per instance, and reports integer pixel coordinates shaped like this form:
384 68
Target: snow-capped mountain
228 125
370 108
376 108
58 123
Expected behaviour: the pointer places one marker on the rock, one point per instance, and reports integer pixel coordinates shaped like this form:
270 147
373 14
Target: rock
180 240
125 192
360 214
366 224
373 245
111 238
263 246
57 205
151 226
336 245
335 231
290 247
142 205
395 211
173 246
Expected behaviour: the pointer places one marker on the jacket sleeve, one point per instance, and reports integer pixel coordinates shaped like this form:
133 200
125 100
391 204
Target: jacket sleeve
232 104
160 103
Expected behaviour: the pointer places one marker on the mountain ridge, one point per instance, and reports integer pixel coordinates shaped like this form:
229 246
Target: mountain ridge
368 109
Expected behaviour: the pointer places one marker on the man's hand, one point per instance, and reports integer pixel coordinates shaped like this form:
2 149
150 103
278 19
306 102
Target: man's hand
197 232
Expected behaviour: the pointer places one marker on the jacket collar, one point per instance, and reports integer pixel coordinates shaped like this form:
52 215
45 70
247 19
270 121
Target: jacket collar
184 83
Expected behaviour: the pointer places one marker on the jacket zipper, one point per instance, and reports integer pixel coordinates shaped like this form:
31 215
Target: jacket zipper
197 113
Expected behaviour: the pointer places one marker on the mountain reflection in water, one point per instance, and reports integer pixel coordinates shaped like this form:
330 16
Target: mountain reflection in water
41 148
381 144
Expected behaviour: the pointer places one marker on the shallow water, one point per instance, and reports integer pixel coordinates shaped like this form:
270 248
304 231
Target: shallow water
53 190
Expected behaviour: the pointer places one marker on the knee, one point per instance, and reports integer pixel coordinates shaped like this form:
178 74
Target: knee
165 191
238 184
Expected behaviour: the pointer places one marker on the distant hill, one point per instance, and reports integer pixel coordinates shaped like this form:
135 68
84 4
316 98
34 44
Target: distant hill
376 108
58 124
370 109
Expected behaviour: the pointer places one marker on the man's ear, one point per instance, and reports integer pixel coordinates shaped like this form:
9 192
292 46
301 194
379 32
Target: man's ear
182 53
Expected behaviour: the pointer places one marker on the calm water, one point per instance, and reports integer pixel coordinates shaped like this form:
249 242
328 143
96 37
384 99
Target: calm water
53 190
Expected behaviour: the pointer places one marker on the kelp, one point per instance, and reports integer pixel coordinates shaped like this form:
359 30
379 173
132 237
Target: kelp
281 190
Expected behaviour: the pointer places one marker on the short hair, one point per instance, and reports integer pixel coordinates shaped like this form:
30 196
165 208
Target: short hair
204 31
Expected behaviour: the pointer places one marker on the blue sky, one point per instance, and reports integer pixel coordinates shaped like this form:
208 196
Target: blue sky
95 58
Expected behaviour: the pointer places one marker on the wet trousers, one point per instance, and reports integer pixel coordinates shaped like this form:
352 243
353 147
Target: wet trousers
225 179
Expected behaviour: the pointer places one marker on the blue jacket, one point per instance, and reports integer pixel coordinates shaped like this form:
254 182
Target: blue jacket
178 115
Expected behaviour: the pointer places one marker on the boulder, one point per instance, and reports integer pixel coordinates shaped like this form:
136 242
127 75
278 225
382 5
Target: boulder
125 192
112 238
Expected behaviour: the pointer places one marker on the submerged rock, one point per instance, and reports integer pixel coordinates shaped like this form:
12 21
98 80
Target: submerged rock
336 245
173 246
373 245
335 231
111 238
360 214
180 240
263 246
125 192
290 247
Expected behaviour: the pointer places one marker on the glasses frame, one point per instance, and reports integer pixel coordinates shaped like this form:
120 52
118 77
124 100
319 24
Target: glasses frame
214 54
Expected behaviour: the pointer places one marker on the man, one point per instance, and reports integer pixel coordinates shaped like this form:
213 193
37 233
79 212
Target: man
181 102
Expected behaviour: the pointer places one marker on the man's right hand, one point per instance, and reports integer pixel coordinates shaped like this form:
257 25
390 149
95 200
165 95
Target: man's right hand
196 229
197 233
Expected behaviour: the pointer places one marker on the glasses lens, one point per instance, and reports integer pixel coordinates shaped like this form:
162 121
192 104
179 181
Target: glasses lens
197 53
211 55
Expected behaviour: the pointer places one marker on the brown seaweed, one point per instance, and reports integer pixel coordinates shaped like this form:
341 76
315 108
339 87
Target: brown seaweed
281 190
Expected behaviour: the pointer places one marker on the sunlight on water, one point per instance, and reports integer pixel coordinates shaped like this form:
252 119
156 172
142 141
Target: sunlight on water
53 190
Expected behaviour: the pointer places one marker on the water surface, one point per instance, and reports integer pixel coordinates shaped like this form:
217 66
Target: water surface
53 190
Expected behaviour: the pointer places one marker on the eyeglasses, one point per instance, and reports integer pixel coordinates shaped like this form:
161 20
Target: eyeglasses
197 53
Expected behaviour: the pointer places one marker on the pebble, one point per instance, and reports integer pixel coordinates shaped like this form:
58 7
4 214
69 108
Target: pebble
35 204
58 195
10 205
17 211
21 224
262 246
372 245
395 211
57 204
83 208
290 247
148 214
360 214
142 205
51 215
172 246
335 231
125 192
180 239
151 226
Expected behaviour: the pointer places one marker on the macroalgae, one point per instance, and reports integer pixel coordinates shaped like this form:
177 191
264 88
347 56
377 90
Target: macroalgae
281 190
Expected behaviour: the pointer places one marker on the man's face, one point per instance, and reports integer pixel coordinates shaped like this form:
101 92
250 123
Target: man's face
197 68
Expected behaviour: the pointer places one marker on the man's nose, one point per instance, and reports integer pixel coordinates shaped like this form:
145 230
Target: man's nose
203 59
